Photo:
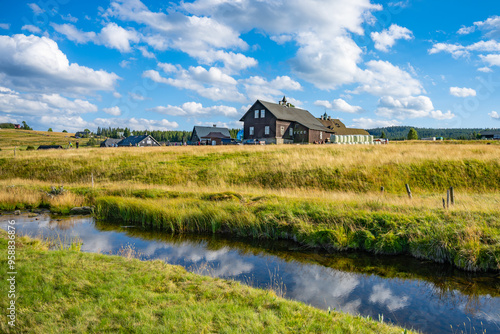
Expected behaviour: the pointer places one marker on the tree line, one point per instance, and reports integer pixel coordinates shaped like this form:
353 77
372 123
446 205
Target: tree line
401 133
161 136
24 126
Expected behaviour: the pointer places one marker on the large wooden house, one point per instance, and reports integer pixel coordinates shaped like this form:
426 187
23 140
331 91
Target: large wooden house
281 123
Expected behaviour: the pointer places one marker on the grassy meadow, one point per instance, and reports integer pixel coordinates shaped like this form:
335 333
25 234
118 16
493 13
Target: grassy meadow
67 291
428 168
325 196
11 138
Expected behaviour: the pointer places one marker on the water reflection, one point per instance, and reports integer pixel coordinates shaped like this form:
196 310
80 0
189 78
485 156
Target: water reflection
409 292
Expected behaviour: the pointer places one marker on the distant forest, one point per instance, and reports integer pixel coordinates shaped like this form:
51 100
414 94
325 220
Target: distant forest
161 136
401 133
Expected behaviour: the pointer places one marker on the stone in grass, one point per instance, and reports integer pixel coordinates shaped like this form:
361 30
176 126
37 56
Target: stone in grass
81 210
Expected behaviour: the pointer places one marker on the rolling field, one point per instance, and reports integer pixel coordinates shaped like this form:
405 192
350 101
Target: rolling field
21 139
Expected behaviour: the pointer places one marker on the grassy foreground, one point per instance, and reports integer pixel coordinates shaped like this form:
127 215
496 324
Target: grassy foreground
67 291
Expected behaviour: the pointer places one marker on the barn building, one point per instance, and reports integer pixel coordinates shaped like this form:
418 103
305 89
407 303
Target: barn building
339 128
490 134
281 123
205 135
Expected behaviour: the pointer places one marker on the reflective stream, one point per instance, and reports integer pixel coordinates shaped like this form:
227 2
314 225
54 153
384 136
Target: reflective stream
412 293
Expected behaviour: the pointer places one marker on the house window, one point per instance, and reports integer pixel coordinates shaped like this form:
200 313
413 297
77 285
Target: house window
251 130
256 114
282 130
262 113
266 129
291 132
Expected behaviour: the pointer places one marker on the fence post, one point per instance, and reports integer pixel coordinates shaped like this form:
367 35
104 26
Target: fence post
448 199
408 190
92 176
382 189
452 196
444 204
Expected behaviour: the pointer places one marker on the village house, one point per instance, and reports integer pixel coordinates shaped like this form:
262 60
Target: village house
140 141
207 135
490 134
281 123
110 142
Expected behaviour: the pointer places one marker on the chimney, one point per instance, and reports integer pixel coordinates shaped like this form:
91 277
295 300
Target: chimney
329 118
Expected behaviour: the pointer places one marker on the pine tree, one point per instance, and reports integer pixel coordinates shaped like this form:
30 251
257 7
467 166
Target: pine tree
383 136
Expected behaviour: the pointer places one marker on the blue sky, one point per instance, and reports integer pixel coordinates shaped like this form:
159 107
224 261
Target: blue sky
71 65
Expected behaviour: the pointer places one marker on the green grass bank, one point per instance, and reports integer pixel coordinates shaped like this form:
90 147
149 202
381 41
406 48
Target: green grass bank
467 235
469 240
66 291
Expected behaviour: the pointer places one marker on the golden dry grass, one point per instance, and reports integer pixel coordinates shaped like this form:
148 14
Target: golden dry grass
10 138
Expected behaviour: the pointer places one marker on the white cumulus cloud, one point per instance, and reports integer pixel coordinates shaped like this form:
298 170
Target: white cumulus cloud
491 59
36 63
387 38
383 78
494 115
409 107
31 28
368 123
115 111
462 92
15 103
196 109
111 36
339 105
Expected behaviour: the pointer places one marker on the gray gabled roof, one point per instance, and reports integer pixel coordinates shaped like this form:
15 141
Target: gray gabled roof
203 131
490 132
292 114
215 135
110 142
134 140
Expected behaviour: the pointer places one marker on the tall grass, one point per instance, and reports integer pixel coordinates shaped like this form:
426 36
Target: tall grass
21 198
427 168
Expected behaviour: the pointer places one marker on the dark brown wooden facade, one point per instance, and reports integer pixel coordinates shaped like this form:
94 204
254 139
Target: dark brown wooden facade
282 124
